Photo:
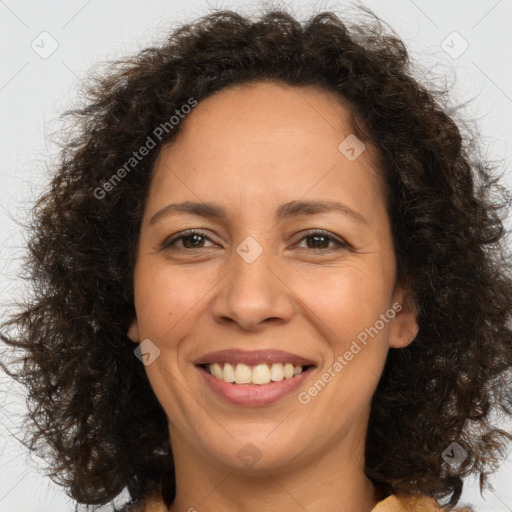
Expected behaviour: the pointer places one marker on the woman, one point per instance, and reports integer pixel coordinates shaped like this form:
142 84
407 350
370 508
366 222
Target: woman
268 275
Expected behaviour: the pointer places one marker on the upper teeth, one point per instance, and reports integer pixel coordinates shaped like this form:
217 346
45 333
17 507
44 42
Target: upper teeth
259 374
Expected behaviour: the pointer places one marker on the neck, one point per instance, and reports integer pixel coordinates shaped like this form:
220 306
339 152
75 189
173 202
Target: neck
333 480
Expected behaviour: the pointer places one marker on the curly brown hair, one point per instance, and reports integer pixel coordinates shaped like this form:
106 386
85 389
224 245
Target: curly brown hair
89 398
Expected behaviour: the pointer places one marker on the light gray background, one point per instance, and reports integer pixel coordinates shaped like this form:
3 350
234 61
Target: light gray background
35 90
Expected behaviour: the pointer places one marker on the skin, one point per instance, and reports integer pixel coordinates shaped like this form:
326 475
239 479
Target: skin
251 148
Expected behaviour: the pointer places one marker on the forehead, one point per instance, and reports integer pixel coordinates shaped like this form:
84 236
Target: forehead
266 107
263 140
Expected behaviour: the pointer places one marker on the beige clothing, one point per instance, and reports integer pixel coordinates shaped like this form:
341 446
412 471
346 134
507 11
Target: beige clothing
401 504
392 503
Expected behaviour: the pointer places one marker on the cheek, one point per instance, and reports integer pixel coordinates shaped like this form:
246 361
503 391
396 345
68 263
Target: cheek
347 299
165 296
349 308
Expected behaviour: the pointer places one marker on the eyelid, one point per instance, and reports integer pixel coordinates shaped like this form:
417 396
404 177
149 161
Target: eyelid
183 234
337 240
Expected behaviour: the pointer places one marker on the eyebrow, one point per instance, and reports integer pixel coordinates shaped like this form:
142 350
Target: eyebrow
286 210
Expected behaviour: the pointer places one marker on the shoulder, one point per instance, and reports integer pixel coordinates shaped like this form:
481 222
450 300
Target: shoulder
402 503
149 505
394 503
131 507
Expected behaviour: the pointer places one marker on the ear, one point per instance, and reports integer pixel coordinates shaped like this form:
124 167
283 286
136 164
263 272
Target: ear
133 331
404 326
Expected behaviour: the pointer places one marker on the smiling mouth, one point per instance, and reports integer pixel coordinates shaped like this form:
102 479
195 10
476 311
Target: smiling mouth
261 374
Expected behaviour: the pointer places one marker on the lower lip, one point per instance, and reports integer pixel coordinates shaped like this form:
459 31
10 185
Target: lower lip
254 395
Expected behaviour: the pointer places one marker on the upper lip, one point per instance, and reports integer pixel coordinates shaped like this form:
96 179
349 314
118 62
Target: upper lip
253 358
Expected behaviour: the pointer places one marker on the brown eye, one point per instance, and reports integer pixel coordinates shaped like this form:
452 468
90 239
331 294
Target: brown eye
321 239
190 240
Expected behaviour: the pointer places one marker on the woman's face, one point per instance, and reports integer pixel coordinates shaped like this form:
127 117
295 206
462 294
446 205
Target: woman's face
257 279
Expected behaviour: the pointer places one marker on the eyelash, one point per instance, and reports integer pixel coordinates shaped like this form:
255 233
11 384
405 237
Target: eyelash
310 234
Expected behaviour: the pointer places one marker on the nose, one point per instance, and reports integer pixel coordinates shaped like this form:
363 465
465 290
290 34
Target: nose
252 295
